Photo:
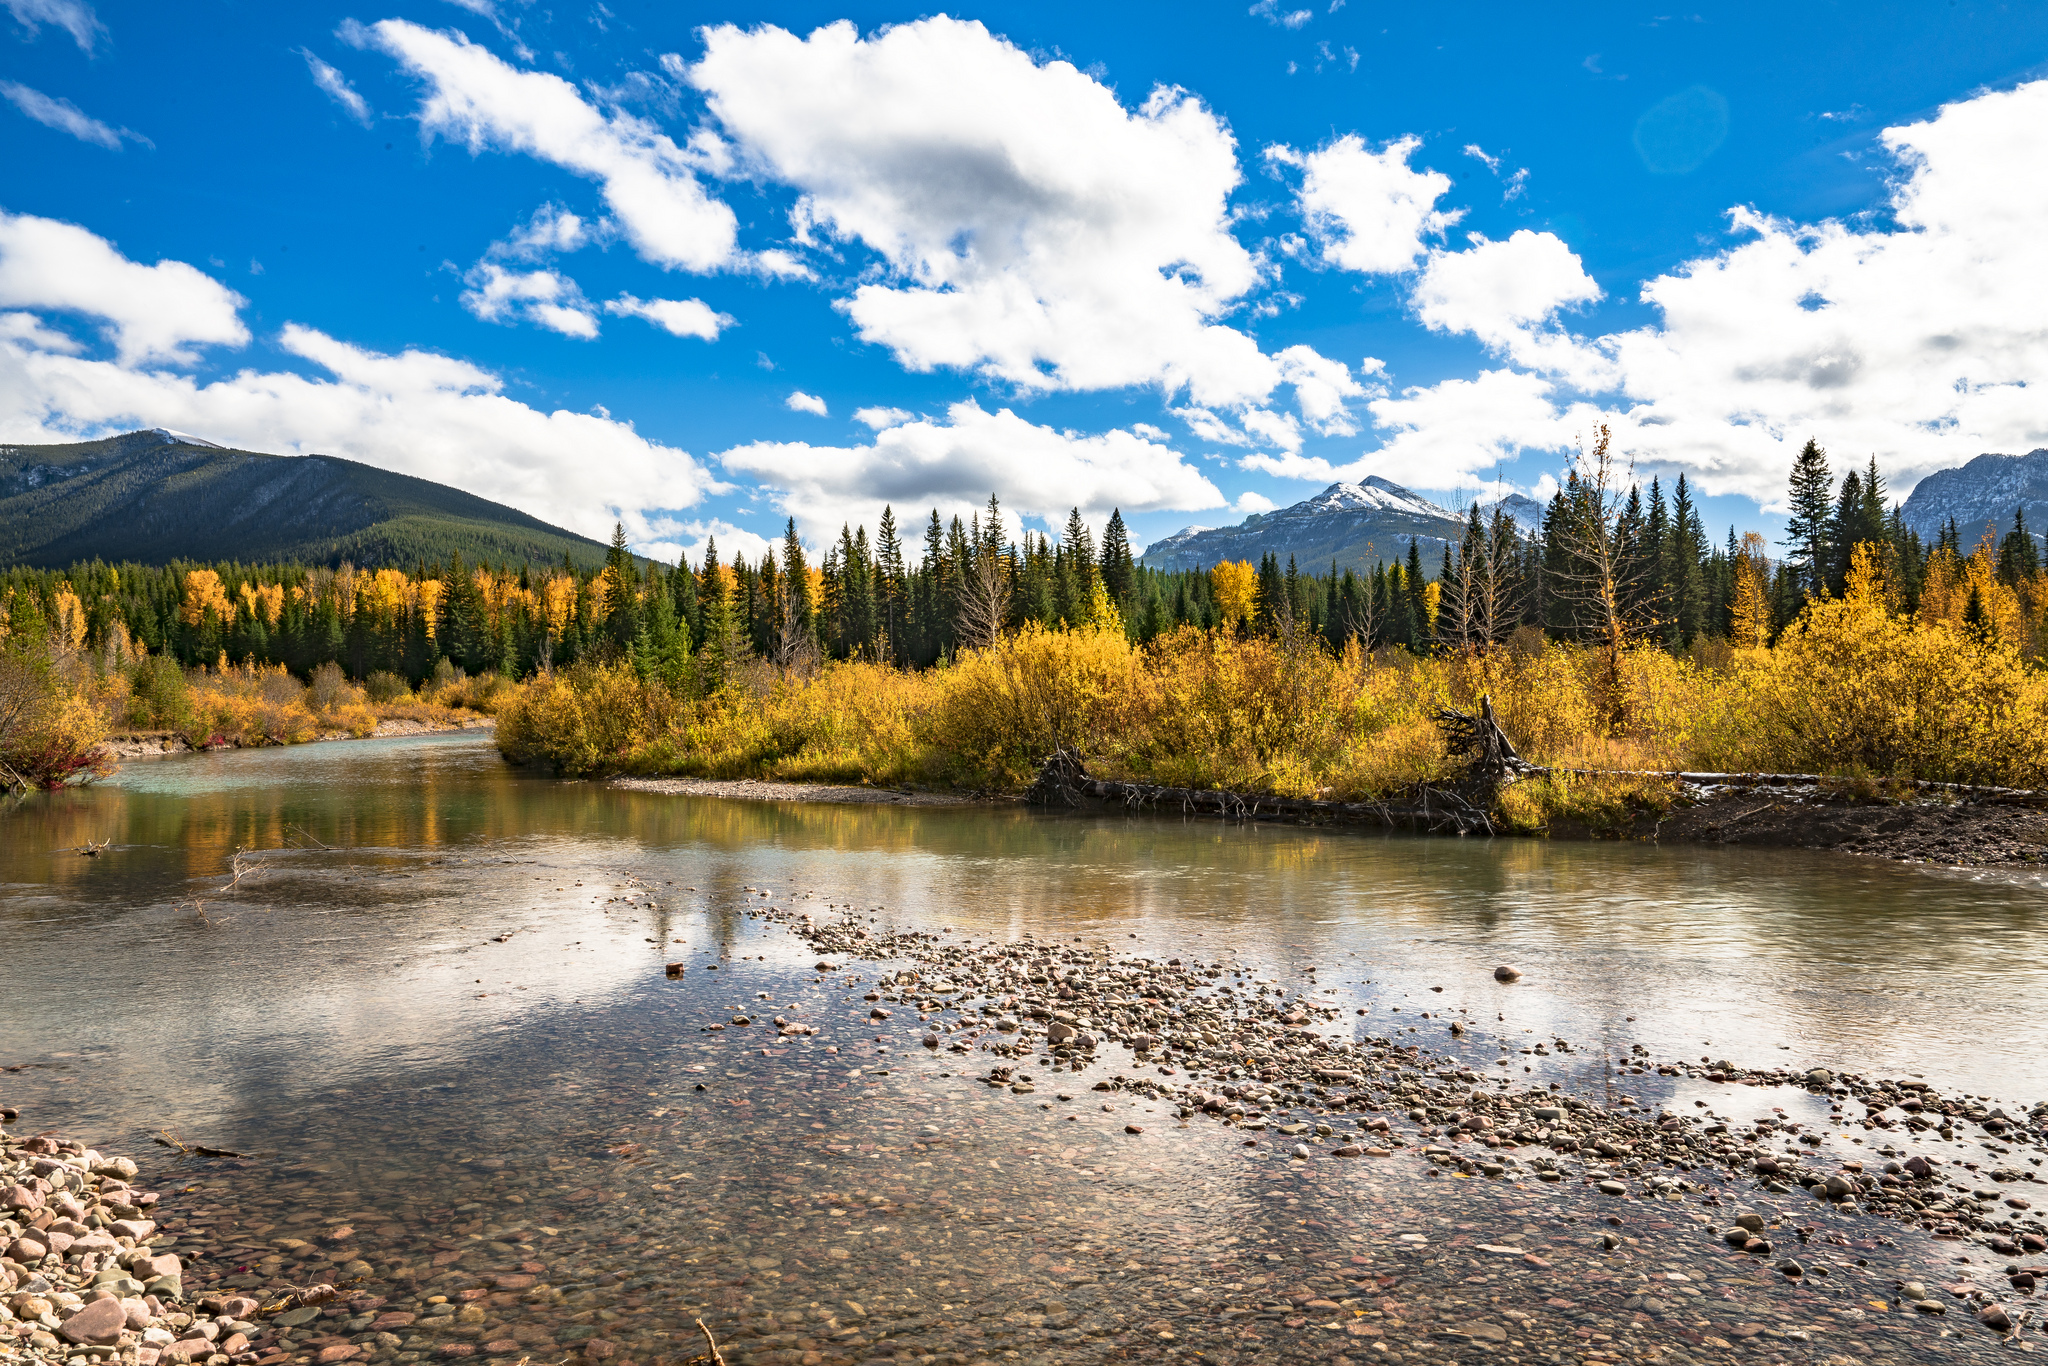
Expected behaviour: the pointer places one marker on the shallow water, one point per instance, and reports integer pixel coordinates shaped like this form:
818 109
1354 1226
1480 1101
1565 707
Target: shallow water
432 1006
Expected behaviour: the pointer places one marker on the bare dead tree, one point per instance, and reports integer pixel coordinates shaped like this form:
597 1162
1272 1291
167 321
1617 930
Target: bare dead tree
1601 572
1493 593
794 646
982 608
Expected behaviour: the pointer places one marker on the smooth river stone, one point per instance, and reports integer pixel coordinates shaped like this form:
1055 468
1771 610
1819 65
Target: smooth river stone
98 1324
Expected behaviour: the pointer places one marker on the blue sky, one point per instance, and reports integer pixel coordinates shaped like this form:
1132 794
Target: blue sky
1189 261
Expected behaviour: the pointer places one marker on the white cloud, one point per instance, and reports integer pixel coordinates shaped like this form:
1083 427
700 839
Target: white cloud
953 465
1443 433
879 418
542 297
73 16
649 183
1496 289
1321 388
1210 427
1922 343
801 402
1270 11
1031 227
154 312
65 117
1368 211
552 229
415 412
337 88
29 330
1277 429
670 545
1249 502
677 317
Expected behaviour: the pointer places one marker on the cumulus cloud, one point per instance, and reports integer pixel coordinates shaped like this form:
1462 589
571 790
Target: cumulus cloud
157 312
1250 502
29 330
75 17
1496 290
415 412
1921 341
801 402
879 418
1031 227
676 540
1368 211
952 465
65 117
1441 434
542 297
551 230
677 317
648 182
336 87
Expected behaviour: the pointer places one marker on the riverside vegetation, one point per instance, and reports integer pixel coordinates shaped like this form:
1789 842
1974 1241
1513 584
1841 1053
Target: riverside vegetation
1610 638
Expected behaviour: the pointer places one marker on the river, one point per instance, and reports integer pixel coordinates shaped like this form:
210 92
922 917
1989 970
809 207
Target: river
433 1011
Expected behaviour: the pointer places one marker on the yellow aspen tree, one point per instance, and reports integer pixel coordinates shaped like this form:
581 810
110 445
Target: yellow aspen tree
203 594
1235 586
1750 613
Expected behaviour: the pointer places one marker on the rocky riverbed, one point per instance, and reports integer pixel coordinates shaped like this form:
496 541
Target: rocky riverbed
910 1145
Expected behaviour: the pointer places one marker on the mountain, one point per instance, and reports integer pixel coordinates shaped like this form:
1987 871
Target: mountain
1355 525
156 496
1985 490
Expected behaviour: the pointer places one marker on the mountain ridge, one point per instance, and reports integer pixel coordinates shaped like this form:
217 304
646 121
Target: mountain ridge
154 496
1983 490
1353 525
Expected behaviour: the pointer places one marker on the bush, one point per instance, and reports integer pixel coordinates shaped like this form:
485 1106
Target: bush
386 687
158 696
329 688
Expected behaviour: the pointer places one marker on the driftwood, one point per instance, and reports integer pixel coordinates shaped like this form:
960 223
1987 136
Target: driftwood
716 1357
169 1140
1478 739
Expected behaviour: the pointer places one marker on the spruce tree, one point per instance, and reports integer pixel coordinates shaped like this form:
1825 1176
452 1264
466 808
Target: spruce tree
1812 500
1119 568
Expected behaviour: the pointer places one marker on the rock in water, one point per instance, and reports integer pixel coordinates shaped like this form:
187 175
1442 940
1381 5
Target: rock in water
1507 973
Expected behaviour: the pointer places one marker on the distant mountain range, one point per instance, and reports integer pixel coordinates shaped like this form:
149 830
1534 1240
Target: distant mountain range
1985 490
156 496
1355 525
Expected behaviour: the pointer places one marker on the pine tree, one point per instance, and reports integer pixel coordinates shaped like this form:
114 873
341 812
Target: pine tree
2019 559
890 602
1811 496
621 596
1119 568
1685 567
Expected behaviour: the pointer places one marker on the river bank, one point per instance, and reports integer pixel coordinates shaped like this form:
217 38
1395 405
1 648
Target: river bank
1947 832
158 744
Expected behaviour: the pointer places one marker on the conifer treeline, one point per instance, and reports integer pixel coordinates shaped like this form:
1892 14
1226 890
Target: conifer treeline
1603 563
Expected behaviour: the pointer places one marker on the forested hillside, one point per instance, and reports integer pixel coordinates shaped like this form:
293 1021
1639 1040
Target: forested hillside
153 497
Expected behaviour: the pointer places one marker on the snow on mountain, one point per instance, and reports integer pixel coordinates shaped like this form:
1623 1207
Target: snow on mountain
1352 525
